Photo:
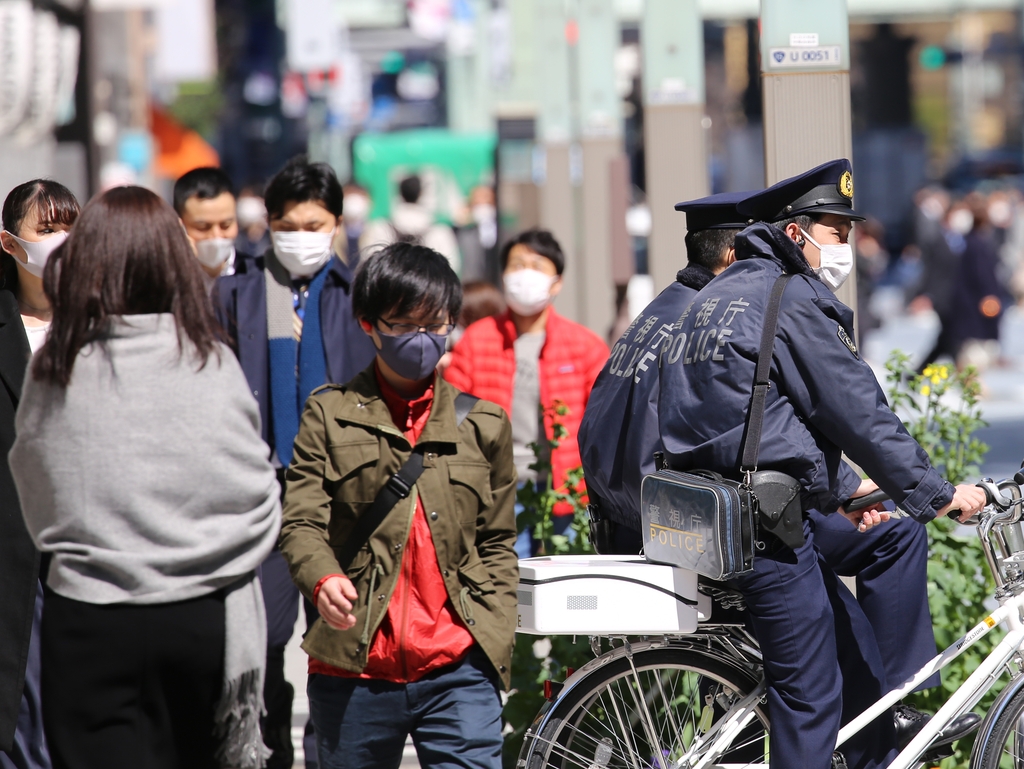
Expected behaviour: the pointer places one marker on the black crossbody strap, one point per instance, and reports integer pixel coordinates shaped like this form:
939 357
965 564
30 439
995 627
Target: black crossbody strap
400 484
762 383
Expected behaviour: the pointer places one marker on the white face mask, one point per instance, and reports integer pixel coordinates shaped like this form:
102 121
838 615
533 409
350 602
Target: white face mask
303 253
961 221
836 262
251 211
213 252
528 292
357 208
38 251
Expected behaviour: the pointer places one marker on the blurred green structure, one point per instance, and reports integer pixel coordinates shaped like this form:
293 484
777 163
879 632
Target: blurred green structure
450 164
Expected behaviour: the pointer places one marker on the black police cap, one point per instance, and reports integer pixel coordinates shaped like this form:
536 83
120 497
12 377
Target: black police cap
715 212
827 189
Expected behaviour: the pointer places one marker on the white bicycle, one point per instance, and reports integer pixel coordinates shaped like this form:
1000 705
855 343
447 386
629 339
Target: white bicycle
696 700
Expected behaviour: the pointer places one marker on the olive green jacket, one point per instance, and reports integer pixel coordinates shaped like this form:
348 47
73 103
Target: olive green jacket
346 450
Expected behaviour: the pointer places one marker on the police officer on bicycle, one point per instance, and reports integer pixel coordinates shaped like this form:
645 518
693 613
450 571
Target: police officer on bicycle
619 433
821 658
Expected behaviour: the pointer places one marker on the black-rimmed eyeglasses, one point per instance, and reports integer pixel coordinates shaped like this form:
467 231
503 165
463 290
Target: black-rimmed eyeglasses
401 329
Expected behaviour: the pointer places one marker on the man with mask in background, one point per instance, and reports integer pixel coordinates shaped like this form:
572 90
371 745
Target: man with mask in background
529 357
292 328
205 201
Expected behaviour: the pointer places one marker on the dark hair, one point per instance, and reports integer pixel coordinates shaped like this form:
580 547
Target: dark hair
540 242
803 221
480 299
127 255
410 188
404 278
707 247
203 183
301 181
52 198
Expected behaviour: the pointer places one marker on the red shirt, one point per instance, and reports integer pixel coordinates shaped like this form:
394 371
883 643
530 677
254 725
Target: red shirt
421 630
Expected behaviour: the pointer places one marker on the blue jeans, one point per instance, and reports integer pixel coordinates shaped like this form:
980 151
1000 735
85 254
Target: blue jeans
453 715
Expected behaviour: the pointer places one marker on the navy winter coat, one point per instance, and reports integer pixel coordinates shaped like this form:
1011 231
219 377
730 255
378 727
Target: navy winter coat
619 433
824 399
240 303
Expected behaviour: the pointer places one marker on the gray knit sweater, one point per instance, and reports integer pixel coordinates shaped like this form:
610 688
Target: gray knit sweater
145 478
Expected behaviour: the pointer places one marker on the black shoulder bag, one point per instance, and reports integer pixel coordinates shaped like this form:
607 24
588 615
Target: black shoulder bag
398 486
706 523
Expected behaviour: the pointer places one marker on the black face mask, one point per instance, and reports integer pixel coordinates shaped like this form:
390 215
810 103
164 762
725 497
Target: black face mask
413 356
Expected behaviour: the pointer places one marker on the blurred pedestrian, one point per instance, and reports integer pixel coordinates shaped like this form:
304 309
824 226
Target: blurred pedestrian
478 238
253 230
292 328
872 260
205 201
530 357
412 222
143 477
36 218
979 298
356 212
417 608
940 246
480 299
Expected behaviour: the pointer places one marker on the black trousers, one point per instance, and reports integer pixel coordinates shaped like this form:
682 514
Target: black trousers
132 687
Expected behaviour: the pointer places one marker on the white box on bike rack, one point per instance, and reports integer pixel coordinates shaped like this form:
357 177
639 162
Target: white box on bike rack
604 595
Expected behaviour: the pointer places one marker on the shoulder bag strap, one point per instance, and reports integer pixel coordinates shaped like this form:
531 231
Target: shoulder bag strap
400 484
762 383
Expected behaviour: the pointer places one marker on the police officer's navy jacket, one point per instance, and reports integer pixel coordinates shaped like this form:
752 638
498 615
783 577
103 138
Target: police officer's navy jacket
619 433
823 400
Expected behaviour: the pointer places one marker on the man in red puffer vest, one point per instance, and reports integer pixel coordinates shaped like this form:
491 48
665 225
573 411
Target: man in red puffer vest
529 358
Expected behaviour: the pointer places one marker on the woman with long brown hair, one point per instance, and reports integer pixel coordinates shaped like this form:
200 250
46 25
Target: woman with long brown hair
143 476
36 218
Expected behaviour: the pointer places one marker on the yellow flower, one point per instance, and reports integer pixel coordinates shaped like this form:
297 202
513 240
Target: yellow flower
926 391
944 372
929 370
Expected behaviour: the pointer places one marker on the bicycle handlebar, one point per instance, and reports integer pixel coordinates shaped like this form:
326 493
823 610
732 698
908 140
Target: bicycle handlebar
859 503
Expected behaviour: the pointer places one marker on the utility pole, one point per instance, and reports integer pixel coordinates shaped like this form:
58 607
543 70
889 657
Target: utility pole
805 63
672 38
555 143
601 142
469 102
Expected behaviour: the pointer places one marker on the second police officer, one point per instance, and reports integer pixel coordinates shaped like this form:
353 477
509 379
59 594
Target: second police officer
619 433
823 400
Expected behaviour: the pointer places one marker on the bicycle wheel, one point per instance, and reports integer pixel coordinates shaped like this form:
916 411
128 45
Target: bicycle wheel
647 720
1004 749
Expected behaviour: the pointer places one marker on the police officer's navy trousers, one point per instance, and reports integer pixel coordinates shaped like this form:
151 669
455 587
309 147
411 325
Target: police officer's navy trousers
890 564
821 660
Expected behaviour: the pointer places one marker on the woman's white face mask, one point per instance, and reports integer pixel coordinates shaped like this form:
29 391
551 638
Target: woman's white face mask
38 251
836 261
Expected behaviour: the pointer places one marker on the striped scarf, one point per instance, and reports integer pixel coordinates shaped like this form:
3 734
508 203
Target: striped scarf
295 350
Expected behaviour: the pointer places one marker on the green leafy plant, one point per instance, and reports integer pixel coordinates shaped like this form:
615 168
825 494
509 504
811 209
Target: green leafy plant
537 659
940 410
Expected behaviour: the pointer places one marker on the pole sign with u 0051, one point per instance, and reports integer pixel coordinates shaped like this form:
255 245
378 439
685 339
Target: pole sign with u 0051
804 36
818 56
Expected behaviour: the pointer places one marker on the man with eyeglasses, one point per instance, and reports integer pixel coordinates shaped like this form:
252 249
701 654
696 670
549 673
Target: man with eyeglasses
399 527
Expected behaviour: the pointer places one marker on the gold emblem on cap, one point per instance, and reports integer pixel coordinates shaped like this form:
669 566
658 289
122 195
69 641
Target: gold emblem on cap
846 185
